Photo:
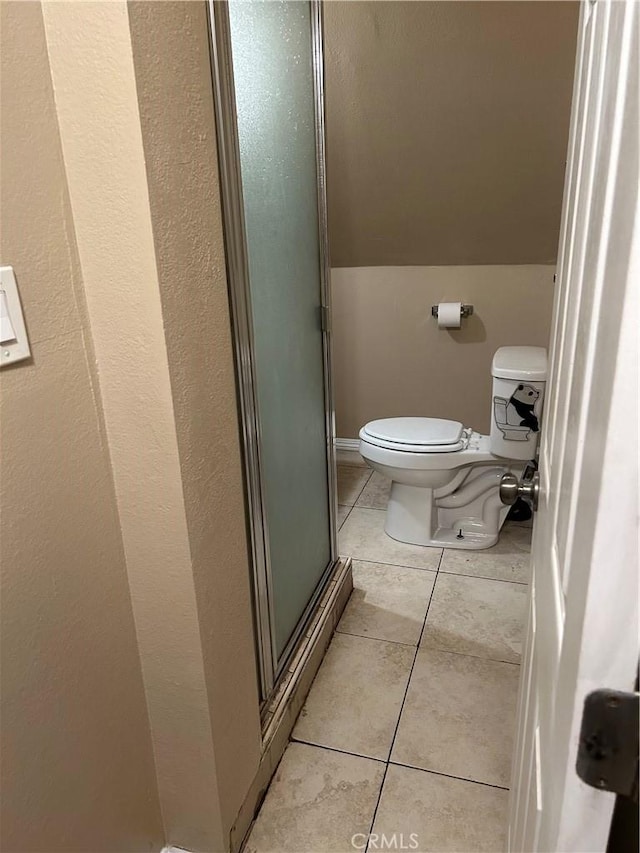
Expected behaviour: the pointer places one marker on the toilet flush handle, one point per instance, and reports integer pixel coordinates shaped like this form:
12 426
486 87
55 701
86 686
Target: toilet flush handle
511 488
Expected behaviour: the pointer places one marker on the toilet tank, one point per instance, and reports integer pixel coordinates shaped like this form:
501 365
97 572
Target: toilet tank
519 380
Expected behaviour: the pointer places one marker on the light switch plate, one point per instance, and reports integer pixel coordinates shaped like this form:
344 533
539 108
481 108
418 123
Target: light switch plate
14 344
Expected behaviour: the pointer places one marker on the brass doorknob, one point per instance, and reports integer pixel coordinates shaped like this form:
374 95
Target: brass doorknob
511 488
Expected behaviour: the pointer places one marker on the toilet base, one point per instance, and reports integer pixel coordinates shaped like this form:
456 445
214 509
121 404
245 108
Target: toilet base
468 519
445 537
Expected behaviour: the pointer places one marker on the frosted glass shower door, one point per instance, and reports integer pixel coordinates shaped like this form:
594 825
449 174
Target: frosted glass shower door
273 74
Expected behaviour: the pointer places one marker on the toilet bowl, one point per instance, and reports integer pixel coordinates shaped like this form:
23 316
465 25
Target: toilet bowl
444 481
445 477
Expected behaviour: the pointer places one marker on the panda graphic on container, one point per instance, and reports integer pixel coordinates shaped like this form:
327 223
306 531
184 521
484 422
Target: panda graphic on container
515 417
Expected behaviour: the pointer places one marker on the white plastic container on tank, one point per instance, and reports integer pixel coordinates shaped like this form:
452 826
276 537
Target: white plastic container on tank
519 381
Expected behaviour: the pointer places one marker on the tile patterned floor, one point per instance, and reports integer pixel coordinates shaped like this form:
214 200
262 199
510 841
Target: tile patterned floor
408 728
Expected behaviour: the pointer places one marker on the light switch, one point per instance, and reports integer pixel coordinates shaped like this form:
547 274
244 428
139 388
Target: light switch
14 344
7 332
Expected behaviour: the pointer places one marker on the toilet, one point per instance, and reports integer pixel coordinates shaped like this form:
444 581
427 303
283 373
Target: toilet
445 477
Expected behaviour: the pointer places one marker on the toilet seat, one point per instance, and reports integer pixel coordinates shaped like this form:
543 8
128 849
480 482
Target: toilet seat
416 435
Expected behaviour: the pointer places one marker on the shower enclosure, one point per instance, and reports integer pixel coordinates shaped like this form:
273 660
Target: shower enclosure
267 71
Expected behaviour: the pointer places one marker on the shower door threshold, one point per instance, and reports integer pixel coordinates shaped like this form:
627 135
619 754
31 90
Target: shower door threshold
280 711
307 647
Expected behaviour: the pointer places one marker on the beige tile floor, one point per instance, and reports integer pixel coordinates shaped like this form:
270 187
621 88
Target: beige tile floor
408 728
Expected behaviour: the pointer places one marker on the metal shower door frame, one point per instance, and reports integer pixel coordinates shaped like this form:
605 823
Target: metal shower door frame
270 665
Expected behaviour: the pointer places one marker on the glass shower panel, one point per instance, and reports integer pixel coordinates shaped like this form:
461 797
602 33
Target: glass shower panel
274 91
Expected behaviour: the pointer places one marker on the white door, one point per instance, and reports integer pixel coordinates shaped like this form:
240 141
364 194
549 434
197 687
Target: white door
583 622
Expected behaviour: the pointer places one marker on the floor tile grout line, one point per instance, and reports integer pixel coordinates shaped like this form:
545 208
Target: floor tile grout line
397 764
377 509
342 523
450 651
397 565
442 650
355 505
379 639
433 571
375 809
293 739
364 486
419 648
404 697
352 506
435 583
364 506
448 775
361 472
481 577
415 657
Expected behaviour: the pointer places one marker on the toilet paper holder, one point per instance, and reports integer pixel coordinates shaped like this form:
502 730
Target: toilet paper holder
465 310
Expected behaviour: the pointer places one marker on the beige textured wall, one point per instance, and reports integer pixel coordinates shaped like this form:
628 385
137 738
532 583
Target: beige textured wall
169 405
173 73
390 358
447 130
122 479
77 764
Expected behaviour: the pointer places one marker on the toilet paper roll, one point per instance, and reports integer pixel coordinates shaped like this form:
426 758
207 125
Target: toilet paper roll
449 315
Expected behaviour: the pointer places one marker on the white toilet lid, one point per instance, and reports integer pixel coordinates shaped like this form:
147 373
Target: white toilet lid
415 435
